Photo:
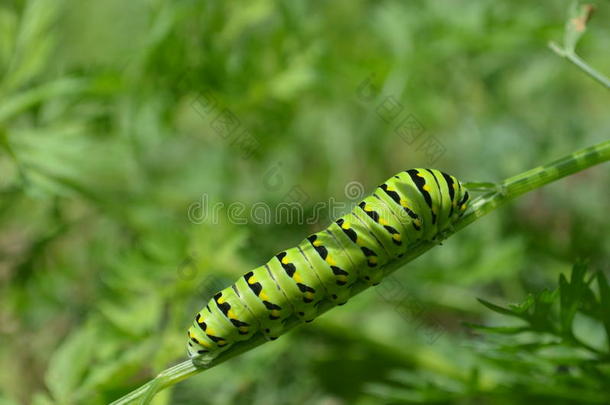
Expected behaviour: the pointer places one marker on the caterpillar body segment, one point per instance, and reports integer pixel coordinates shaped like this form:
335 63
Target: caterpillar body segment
324 255
427 184
301 295
347 272
237 312
413 206
414 199
365 246
408 224
383 225
210 331
259 287
406 201
306 284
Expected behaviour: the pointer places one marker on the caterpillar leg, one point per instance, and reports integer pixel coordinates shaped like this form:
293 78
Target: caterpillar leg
442 235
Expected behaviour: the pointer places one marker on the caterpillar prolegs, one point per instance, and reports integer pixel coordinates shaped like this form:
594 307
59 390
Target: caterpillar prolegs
413 206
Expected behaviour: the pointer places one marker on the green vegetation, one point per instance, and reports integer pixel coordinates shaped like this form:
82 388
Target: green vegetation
539 359
109 139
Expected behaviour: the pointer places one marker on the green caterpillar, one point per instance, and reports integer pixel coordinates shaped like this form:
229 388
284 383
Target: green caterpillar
413 206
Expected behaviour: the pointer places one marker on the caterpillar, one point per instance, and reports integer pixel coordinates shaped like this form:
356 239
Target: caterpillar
413 206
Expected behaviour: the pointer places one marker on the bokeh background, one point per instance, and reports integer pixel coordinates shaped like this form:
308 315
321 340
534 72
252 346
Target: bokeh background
117 118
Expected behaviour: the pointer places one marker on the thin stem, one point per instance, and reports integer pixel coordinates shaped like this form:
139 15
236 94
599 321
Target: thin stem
502 193
581 64
169 377
537 177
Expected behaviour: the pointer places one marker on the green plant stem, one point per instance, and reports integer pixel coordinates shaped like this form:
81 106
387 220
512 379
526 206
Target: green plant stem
537 177
581 64
497 195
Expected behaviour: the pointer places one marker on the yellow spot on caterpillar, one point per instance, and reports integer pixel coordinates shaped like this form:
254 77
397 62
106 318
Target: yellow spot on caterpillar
231 314
297 277
330 260
308 295
417 222
390 188
396 236
275 313
420 175
373 260
252 280
264 296
285 260
221 343
345 225
243 329
426 187
203 343
383 221
209 331
404 203
342 277
317 243
221 300
463 207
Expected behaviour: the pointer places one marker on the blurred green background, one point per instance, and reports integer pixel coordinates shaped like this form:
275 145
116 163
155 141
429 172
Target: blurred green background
108 137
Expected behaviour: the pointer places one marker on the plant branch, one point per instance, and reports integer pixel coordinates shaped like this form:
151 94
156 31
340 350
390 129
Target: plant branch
579 16
581 64
496 195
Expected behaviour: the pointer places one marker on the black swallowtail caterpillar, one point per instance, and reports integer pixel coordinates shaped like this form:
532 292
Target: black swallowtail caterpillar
413 206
